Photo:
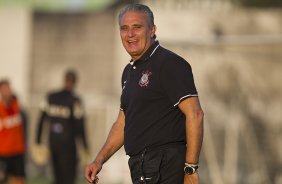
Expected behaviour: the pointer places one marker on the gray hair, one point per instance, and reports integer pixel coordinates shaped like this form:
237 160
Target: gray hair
138 8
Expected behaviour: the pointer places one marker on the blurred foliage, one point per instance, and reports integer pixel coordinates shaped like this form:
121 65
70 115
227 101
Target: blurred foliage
261 3
93 5
59 5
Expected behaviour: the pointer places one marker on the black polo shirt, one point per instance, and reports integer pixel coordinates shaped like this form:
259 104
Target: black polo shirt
152 88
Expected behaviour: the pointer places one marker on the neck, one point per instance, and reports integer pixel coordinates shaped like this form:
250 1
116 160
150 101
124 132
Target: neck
150 43
68 88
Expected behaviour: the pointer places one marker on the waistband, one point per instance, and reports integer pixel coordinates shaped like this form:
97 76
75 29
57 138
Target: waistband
160 147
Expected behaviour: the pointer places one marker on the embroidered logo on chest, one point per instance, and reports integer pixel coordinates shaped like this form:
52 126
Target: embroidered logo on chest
144 81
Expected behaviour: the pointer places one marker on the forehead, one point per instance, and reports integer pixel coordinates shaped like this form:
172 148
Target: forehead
133 18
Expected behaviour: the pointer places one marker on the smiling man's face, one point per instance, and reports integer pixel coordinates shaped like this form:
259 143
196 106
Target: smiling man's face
136 33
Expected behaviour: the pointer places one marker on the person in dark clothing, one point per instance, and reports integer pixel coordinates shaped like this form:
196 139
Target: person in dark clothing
160 122
64 112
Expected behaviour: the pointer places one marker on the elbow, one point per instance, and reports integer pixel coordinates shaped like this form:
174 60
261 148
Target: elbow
198 117
197 114
201 115
202 119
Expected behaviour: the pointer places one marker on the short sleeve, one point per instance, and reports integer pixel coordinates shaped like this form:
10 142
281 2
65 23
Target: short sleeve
123 81
177 80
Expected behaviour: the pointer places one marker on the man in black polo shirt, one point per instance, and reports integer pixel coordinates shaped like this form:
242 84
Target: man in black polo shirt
160 122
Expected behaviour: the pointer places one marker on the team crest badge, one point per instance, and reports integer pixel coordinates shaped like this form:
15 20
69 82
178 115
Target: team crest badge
144 81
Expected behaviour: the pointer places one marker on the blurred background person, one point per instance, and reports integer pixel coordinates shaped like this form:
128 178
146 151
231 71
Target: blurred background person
64 114
12 137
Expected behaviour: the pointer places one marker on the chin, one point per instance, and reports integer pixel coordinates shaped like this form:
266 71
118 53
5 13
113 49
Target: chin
132 53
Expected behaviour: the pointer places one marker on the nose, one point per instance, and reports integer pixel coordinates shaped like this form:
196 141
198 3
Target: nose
130 33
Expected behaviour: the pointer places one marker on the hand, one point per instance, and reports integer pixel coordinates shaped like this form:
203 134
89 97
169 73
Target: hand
40 154
91 172
191 179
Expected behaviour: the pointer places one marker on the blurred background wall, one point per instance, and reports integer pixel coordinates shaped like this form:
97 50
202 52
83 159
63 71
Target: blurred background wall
234 47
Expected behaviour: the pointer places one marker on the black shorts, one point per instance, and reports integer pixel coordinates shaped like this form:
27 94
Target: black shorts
12 166
159 166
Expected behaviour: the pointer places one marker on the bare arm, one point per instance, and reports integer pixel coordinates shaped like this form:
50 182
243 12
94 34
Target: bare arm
194 133
113 143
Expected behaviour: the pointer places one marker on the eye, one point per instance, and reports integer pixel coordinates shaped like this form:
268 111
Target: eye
123 28
137 26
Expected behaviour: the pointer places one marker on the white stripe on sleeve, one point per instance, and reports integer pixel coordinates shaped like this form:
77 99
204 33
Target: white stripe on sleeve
186 96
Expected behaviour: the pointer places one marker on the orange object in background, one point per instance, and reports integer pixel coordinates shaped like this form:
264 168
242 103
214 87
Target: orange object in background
11 129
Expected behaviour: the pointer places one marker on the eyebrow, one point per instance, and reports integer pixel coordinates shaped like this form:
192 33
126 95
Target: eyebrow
134 25
138 25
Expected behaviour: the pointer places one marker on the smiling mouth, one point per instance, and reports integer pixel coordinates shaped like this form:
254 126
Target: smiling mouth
131 41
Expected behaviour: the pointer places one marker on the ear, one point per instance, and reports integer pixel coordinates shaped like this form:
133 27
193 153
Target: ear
153 31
